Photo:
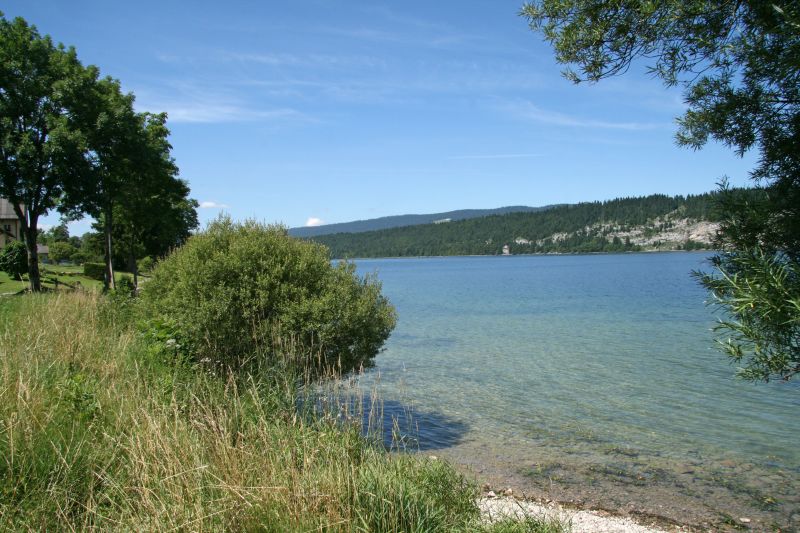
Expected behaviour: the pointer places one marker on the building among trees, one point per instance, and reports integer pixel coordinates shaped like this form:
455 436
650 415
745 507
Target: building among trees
9 223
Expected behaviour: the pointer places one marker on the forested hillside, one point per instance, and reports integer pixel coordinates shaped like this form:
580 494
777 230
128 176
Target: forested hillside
397 221
656 222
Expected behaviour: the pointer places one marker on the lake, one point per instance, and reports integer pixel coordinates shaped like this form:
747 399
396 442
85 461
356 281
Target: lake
589 379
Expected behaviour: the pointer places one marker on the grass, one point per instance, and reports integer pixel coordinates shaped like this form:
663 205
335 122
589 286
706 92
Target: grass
100 428
9 285
67 277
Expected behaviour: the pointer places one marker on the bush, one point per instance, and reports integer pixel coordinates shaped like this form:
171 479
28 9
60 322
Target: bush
146 264
125 286
95 271
235 289
82 256
14 259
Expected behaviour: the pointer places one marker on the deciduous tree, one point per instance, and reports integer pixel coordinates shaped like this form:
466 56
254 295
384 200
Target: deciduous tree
155 214
42 91
116 147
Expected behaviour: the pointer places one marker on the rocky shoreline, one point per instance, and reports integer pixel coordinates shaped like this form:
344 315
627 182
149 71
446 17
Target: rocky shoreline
497 507
659 506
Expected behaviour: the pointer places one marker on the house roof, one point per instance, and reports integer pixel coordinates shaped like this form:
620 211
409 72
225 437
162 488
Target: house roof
6 209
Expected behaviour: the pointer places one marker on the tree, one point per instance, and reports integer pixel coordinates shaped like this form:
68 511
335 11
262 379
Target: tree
42 90
61 251
58 233
14 259
759 294
155 214
738 63
155 226
114 139
73 141
89 249
133 190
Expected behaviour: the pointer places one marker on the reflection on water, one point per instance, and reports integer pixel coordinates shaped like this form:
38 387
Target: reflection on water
587 378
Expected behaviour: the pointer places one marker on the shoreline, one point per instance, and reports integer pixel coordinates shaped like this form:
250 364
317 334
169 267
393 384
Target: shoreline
579 520
658 512
507 497
548 254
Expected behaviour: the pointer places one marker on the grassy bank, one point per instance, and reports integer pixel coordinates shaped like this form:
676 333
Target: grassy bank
101 428
56 277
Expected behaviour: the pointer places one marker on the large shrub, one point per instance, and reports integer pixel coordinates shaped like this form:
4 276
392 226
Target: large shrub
95 271
14 259
234 290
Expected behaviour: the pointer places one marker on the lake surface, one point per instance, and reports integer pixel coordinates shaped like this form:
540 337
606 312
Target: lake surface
590 379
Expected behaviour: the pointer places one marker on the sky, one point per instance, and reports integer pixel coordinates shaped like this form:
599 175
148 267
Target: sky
316 112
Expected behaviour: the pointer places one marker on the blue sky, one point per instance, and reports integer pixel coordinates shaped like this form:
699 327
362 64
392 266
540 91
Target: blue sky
311 111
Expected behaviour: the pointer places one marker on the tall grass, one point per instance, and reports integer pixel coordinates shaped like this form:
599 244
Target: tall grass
100 428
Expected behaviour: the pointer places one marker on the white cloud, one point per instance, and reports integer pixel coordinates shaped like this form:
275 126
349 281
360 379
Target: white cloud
314 221
307 60
209 204
533 112
200 103
200 112
495 156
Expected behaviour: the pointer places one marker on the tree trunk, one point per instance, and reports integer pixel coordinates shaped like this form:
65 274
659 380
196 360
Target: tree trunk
109 275
133 267
30 234
33 258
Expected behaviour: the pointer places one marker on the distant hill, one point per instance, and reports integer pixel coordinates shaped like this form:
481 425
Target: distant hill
655 222
396 221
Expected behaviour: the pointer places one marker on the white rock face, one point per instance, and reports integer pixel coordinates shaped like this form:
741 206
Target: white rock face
680 231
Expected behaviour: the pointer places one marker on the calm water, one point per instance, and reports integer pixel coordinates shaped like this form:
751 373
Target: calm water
590 379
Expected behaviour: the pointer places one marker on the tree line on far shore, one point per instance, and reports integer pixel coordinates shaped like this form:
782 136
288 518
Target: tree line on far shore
577 228
71 141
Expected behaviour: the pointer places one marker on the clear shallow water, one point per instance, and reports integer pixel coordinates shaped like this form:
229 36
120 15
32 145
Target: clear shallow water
591 379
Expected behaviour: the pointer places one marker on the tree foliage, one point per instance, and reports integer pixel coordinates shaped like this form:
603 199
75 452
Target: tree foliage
139 202
14 259
760 296
115 142
42 92
59 233
234 290
738 63
155 214
73 141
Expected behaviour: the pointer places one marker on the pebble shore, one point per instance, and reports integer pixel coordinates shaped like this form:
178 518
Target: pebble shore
494 507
